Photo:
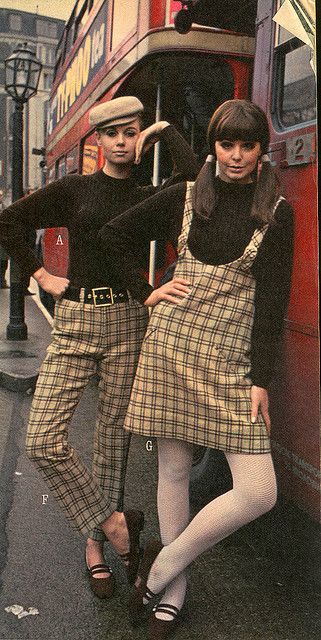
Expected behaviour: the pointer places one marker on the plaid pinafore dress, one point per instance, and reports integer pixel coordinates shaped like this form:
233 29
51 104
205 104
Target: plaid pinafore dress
191 383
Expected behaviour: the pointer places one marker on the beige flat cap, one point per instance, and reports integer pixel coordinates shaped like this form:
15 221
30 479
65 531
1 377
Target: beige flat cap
117 111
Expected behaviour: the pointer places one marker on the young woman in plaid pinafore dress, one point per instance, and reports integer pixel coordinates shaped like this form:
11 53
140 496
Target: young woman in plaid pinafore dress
200 378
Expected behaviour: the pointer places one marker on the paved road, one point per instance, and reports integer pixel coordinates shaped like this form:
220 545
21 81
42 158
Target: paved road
238 591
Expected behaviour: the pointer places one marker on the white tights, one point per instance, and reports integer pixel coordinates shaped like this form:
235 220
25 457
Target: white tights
253 493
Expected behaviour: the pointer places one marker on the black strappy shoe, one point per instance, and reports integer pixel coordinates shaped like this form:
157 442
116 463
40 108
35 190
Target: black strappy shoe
137 608
135 524
160 629
101 587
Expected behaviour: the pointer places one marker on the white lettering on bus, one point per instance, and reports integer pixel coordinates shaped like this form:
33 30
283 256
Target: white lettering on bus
98 45
86 60
80 58
77 75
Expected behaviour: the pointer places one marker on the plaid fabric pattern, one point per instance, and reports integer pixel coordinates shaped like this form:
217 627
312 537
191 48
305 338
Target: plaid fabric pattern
191 379
86 340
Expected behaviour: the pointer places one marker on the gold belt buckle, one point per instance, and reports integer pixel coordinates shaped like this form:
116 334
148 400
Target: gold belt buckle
99 297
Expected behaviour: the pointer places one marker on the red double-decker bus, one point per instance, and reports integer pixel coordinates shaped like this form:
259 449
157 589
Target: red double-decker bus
110 50
107 50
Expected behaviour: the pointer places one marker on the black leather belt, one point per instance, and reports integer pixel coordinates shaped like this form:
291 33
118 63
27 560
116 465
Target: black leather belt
99 296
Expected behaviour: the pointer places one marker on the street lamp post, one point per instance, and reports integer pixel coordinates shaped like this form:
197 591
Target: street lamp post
22 73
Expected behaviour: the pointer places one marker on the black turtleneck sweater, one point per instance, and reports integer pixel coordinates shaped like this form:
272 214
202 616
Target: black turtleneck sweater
84 204
219 240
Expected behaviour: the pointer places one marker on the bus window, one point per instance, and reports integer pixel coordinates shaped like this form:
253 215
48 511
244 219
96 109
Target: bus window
69 39
295 99
61 167
294 85
72 161
89 155
81 16
51 174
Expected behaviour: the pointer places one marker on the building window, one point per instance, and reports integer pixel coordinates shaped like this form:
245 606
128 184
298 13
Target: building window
47 81
52 30
41 27
5 50
50 56
41 53
15 22
46 28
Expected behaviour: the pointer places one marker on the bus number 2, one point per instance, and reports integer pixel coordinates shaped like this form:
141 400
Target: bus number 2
298 149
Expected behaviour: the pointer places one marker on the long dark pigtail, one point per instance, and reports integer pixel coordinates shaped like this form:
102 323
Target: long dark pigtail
266 194
203 196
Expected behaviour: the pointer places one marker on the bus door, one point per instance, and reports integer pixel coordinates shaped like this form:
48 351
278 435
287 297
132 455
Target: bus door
183 88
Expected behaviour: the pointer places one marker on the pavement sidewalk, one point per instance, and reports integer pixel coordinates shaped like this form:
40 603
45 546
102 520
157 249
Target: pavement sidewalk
20 360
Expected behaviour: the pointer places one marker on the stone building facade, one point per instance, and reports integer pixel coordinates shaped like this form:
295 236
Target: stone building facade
43 33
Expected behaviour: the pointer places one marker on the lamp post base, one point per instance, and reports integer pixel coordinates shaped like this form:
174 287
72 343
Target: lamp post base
17 332
17 328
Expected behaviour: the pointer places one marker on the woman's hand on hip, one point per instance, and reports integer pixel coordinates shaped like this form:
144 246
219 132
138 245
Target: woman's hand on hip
52 284
168 291
260 402
148 137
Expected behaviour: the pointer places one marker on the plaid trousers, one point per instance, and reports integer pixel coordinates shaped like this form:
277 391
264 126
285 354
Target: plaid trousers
86 340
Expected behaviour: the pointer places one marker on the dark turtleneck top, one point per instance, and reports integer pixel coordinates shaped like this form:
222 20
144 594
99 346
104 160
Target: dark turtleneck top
84 204
220 240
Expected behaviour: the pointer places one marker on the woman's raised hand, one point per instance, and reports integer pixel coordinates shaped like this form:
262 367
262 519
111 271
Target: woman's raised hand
172 291
148 137
52 284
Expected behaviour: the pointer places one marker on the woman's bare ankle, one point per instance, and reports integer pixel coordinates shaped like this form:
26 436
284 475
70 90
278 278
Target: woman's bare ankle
94 544
115 529
95 556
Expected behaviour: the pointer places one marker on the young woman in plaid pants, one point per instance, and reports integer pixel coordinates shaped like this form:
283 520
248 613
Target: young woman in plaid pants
209 350
98 328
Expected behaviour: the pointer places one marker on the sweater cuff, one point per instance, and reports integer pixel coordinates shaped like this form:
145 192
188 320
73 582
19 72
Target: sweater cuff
167 131
262 372
259 379
27 261
140 291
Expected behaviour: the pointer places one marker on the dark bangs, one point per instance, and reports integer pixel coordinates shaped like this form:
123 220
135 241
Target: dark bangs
233 129
239 120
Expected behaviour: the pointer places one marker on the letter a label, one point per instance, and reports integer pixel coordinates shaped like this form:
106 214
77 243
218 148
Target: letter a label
59 239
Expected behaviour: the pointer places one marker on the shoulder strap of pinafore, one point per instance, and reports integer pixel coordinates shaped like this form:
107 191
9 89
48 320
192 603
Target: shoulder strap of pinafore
259 234
187 218
280 198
